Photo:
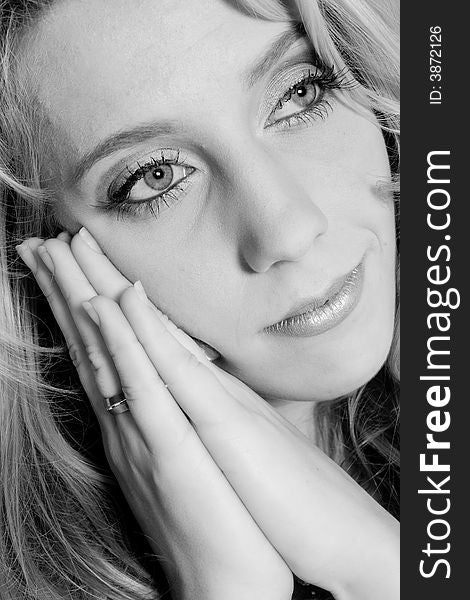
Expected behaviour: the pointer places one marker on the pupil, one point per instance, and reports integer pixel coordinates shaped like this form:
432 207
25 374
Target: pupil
301 91
159 177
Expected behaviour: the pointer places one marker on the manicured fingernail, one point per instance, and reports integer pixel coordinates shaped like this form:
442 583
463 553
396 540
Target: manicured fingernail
64 236
139 288
89 240
21 250
46 258
161 315
91 312
26 255
210 352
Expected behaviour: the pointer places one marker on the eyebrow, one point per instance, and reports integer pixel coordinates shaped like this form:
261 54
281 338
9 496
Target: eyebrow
127 138
274 53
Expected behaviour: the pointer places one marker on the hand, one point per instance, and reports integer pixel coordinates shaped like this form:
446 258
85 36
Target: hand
327 529
209 545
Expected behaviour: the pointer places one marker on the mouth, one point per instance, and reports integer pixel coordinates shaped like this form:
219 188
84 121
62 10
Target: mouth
325 312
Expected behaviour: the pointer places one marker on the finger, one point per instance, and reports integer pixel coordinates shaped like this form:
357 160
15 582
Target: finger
190 380
108 281
186 471
70 289
76 288
99 270
65 236
256 452
192 345
28 253
87 359
157 415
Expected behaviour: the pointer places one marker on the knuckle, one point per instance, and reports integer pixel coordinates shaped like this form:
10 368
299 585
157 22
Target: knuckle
189 368
95 356
74 353
156 330
122 347
135 389
53 243
164 336
47 244
126 297
113 454
131 390
68 296
192 362
49 294
105 304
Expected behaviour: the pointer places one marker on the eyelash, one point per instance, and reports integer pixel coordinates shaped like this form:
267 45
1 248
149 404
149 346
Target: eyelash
118 199
325 77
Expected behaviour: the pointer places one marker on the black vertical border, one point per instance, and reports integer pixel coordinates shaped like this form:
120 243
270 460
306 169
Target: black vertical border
426 128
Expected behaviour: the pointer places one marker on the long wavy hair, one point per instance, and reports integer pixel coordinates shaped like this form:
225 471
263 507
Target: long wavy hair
62 530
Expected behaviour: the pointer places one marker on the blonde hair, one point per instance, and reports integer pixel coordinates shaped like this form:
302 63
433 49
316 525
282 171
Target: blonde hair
60 529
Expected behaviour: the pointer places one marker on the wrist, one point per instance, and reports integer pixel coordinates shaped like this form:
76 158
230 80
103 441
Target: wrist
231 591
213 586
376 571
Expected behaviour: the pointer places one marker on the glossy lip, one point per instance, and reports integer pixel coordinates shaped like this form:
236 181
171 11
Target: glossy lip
325 312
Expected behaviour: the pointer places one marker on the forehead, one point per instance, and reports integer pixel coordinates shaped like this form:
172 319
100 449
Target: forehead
103 65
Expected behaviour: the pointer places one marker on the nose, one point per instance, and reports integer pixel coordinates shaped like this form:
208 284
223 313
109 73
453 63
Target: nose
278 219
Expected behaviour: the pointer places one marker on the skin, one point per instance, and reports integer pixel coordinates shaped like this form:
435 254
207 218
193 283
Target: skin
198 446
271 216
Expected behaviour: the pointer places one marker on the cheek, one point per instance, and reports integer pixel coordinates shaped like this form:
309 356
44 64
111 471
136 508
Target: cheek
193 275
345 170
189 272
189 282
340 162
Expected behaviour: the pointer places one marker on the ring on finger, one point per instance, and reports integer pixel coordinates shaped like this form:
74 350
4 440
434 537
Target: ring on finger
116 404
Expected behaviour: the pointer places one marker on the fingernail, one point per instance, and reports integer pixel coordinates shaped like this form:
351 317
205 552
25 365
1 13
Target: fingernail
139 288
91 312
162 316
26 255
89 240
210 352
46 258
64 236
20 249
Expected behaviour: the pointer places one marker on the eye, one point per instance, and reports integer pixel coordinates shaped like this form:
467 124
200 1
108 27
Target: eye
298 98
305 94
149 188
154 180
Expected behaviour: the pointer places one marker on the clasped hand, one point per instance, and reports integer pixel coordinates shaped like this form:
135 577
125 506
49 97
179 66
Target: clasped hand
233 498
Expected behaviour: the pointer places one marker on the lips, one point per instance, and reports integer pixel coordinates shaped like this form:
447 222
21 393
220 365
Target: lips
317 302
321 313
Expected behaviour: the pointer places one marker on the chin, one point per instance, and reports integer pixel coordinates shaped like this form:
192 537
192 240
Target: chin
349 381
336 383
329 374
346 371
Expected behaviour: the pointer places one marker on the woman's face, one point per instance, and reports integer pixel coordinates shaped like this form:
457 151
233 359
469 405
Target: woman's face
234 199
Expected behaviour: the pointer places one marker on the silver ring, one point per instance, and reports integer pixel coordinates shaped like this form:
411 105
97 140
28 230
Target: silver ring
116 404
